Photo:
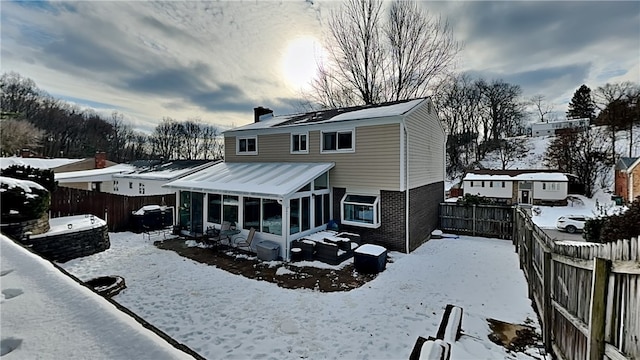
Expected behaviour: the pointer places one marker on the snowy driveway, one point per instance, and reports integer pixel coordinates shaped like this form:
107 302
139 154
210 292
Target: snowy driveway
221 315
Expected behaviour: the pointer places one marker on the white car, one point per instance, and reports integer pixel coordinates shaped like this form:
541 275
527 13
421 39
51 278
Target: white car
571 223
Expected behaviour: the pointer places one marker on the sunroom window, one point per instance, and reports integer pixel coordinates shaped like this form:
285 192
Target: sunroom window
360 210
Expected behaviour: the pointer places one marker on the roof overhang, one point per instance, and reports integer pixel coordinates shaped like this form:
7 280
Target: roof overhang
93 175
271 180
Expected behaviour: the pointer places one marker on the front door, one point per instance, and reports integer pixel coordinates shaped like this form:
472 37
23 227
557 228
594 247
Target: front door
525 196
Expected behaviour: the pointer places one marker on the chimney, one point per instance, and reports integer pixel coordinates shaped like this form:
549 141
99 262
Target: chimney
25 153
101 160
260 112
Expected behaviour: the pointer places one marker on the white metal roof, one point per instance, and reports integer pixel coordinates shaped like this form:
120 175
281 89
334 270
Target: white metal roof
36 163
541 176
276 180
93 175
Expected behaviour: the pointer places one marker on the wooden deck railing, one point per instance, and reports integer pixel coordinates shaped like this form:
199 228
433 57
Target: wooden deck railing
587 295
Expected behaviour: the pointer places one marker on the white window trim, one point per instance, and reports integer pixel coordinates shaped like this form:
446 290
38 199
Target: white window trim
238 152
353 141
306 151
376 212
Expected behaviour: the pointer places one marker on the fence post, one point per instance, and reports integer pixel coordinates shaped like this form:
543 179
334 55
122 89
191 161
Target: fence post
547 310
597 311
474 220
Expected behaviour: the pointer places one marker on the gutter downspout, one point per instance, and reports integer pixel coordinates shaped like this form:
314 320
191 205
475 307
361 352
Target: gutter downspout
406 185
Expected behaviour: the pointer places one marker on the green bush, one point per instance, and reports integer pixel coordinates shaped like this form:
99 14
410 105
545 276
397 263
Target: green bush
469 199
19 205
44 177
623 226
593 229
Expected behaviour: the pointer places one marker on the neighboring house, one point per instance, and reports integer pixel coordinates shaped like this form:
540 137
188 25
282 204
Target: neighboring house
58 165
149 177
100 180
627 178
518 186
376 170
550 128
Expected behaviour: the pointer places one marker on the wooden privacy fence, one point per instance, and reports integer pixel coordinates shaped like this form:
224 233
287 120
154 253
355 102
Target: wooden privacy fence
587 294
115 209
477 220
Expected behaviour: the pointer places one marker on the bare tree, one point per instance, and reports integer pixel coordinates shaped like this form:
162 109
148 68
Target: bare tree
510 150
371 61
618 105
192 139
18 134
541 106
212 143
166 139
118 137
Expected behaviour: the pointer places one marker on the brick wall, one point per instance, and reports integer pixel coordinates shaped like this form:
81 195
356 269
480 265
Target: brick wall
621 184
423 217
424 212
635 186
391 232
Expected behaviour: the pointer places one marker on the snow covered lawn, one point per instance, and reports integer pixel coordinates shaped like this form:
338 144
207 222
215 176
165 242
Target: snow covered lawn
221 315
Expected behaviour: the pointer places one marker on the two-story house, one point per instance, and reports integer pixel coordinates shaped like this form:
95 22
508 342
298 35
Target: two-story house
376 170
627 178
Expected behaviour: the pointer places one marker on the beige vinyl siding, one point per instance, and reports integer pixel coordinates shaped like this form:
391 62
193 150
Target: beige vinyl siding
426 146
375 163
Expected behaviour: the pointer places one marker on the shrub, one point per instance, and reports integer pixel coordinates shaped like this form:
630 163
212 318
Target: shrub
623 226
469 199
20 205
593 229
44 177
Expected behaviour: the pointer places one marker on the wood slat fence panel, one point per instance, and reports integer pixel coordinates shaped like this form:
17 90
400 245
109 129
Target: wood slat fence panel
477 220
581 320
115 209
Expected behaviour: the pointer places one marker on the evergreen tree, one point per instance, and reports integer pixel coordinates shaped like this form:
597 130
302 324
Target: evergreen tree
581 105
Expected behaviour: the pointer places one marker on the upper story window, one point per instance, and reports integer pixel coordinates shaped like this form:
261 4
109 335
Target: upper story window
299 144
337 141
247 145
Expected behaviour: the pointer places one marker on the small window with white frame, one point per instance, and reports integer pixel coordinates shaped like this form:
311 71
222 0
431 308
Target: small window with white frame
247 145
334 141
360 210
299 143
141 188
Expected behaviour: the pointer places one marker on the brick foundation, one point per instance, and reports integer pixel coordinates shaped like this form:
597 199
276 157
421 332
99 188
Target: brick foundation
423 216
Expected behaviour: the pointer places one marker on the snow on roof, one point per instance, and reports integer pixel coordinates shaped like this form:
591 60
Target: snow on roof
44 311
104 174
258 179
376 112
542 176
35 162
26 185
167 171
333 115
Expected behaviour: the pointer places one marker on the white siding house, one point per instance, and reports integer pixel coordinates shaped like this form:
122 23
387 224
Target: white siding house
550 128
523 188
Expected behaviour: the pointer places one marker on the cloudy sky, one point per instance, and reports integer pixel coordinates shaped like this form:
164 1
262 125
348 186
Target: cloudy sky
218 60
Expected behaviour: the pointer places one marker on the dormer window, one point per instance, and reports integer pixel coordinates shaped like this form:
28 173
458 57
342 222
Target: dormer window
247 146
299 144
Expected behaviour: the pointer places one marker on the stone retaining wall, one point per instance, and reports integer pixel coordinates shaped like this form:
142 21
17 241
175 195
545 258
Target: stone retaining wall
35 226
70 245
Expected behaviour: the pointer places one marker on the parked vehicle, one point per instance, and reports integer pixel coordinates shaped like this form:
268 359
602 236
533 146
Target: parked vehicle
571 223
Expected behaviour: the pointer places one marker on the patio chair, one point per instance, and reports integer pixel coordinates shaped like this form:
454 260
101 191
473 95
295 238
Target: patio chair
245 243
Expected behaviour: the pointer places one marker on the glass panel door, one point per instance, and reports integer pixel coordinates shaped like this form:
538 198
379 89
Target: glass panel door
197 212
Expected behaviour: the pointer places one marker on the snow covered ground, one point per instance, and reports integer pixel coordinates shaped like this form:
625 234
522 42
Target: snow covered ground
221 315
600 205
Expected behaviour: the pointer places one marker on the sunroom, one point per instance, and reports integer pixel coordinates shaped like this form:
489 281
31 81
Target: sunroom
281 201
